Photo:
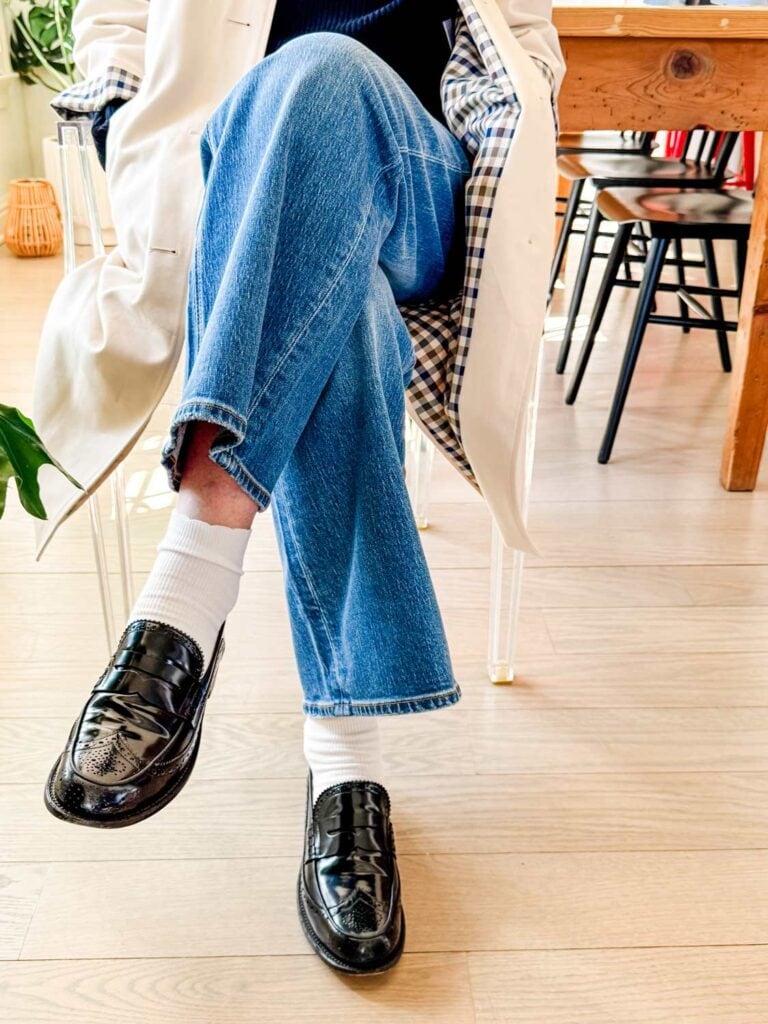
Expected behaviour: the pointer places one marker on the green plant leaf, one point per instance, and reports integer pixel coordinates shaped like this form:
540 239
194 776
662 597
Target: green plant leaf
22 453
41 42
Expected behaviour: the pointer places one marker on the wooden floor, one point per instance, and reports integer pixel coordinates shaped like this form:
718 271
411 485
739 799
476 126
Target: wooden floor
587 846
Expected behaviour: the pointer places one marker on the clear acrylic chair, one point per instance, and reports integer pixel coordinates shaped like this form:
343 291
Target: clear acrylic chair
75 144
506 577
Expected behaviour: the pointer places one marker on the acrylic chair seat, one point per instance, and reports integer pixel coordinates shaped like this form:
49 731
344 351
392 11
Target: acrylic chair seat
75 144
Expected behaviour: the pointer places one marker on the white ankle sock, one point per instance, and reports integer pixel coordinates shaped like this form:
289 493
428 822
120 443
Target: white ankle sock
344 749
194 582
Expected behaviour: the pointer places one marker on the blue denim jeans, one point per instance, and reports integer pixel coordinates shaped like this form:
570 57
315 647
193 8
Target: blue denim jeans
331 195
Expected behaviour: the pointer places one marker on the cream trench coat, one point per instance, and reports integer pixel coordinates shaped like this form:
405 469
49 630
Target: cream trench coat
115 328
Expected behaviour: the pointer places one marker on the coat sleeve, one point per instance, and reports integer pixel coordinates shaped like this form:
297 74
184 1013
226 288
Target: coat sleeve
531 23
110 34
109 51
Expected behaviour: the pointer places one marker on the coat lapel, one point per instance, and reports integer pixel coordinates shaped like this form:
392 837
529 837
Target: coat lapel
482 110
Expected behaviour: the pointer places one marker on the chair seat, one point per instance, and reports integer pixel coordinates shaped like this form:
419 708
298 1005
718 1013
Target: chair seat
731 208
631 169
597 142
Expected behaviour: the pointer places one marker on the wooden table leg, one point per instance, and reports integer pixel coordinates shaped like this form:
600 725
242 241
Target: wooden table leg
748 412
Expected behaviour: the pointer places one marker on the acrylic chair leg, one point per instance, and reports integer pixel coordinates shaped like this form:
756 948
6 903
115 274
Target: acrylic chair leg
73 138
102 571
505 609
418 473
123 539
506 594
68 142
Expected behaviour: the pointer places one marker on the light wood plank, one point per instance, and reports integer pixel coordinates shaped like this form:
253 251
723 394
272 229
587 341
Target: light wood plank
536 813
466 591
252 685
20 887
255 746
671 630
617 740
612 530
454 903
456 741
298 989
728 985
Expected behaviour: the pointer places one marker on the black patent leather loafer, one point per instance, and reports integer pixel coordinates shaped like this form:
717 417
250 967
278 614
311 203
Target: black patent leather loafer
349 887
135 743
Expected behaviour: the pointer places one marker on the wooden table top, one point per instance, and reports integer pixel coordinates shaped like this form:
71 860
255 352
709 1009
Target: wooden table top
637 19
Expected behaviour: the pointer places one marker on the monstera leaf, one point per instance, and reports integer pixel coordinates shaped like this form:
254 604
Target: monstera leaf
22 453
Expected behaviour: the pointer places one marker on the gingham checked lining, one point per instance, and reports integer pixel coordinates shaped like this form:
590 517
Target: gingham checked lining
85 97
482 109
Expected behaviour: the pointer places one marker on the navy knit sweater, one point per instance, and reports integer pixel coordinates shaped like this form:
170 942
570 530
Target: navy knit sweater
407 34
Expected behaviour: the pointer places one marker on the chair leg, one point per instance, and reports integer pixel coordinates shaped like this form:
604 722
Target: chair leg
102 572
85 147
123 538
504 616
68 143
741 262
504 609
420 454
590 243
569 219
713 280
618 252
681 280
653 269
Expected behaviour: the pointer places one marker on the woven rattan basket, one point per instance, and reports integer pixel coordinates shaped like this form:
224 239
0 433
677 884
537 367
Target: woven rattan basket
33 224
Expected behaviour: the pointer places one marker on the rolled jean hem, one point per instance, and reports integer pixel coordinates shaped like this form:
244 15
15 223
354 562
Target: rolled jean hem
405 706
198 410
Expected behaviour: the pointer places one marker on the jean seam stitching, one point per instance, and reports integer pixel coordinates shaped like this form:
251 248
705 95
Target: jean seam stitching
228 455
394 705
435 695
219 406
331 288
313 590
433 159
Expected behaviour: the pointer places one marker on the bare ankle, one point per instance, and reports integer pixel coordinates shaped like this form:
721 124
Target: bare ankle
207 492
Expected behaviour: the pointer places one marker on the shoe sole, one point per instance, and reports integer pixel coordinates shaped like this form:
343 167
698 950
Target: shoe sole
118 820
330 958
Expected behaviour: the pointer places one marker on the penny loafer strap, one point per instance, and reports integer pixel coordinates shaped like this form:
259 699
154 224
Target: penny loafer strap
155 691
153 665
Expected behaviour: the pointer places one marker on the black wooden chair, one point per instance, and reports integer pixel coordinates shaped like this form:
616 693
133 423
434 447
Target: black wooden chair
632 143
669 217
704 165
609 142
